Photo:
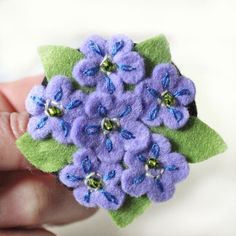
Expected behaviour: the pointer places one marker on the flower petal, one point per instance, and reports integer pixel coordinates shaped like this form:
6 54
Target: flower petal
163 143
35 101
166 77
112 197
130 67
60 130
74 106
135 183
127 107
119 44
162 189
87 72
111 84
184 91
111 173
39 127
135 160
98 105
85 197
175 166
71 176
86 160
81 135
94 47
174 117
115 154
140 136
59 88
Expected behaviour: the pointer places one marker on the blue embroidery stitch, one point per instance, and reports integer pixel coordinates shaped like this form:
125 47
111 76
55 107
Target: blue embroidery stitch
153 92
73 104
86 165
165 81
142 158
110 197
138 179
126 111
91 71
87 197
74 178
108 144
95 48
155 150
102 111
117 47
58 95
65 127
110 175
109 85
126 68
126 134
152 115
42 122
91 129
182 93
171 168
177 114
160 185
39 101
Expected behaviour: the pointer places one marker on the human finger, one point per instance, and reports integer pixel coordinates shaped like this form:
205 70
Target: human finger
35 199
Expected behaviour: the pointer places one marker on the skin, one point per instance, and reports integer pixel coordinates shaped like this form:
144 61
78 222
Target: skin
28 198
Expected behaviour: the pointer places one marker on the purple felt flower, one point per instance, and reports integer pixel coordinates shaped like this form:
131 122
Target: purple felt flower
53 109
110 126
108 64
154 171
93 183
165 97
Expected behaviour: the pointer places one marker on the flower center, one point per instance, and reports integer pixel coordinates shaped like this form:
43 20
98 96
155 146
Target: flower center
107 66
154 168
167 99
94 181
53 109
108 125
153 164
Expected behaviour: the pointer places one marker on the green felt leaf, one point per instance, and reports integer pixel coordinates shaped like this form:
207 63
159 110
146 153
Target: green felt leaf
58 60
154 51
132 208
48 155
197 141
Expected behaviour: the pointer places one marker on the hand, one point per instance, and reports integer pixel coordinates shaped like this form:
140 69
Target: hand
28 197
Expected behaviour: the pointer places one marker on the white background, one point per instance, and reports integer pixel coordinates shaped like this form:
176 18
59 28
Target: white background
202 37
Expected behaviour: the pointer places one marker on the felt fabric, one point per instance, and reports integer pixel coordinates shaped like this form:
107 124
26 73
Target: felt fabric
117 53
196 141
58 60
108 195
157 182
48 156
130 134
59 93
165 97
154 51
132 208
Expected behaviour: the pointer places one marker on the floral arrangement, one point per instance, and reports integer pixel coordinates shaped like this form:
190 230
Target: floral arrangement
116 122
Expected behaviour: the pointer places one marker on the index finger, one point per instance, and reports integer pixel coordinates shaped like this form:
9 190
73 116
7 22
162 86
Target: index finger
16 92
12 126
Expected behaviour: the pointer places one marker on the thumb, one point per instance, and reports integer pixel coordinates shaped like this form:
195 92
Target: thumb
12 126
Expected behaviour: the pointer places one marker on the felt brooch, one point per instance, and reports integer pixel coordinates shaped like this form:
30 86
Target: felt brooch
117 123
